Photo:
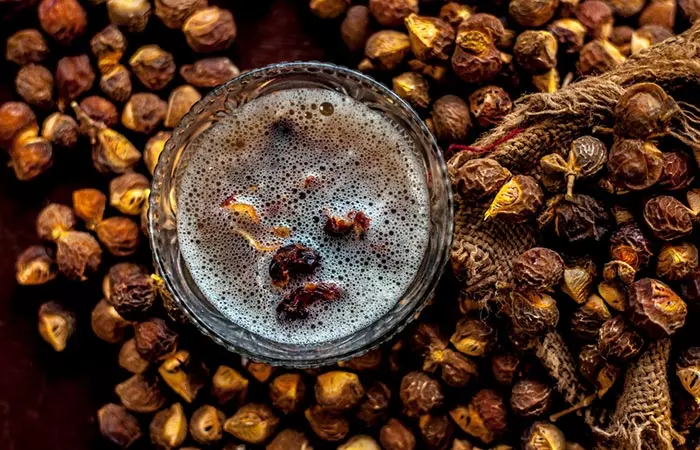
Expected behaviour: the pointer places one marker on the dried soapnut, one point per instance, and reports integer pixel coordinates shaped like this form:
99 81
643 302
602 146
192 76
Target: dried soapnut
489 105
628 244
668 218
543 436
677 173
360 442
532 13
451 119
538 268
677 261
338 390
598 56
366 362
132 15
518 200
328 9
210 72
30 155
181 100
455 13
536 51
133 297
655 308
228 384
100 109
530 398
589 317
570 33
455 369
473 337
154 147
374 409
108 46
56 325
289 440
116 83
140 394
63 20
61 130
120 235
688 371
35 266
420 394
128 192
168 429
107 324
504 368
154 339
644 111
26 47
74 77
617 341
287 392
533 312
117 425
436 431
355 27
130 360
252 423
635 164
597 16
578 279
210 29
183 375
14 116
153 66
387 48
413 88
144 112
295 305
77 253
476 59
121 273
327 426
391 13
34 83
431 38
659 12
485 417
396 436
173 13
207 425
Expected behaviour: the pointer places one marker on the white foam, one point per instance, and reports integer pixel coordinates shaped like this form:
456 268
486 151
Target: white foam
262 153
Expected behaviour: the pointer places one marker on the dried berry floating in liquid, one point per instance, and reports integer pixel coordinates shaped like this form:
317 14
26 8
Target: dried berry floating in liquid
292 260
295 305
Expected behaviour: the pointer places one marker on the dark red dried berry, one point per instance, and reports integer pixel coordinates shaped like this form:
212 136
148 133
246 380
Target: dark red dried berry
295 305
353 221
293 259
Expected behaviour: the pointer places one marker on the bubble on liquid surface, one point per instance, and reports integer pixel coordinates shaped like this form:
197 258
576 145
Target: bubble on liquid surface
284 154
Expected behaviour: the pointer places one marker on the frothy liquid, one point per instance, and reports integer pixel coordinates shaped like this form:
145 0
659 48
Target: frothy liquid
294 154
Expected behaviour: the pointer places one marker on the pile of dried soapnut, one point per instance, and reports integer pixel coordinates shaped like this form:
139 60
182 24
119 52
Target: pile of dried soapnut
471 382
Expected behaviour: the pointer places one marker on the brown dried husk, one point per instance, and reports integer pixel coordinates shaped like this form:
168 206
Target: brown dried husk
483 252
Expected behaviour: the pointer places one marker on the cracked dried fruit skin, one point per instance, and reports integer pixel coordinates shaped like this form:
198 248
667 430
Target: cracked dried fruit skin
655 308
173 13
436 430
395 436
140 394
210 72
538 268
688 371
634 164
387 48
56 325
35 266
63 20
677 173
476 59
34 83
108 46
543 436
617 341
489 105
154 339
132 15
107 324
117 425
210 29
287 392
413 88
144 112
677 261
391 13
77 254
61 130
183 375
530 398
482 177
129 192
375 407
120 235
252 423
484 418
74 77
295 305
473 337
532 13
133 297
644 111
532 312
420 394
168 428
517 201
589 317
431 38
153 66
26 47
668 218
289 440
456 370
207 425
338 391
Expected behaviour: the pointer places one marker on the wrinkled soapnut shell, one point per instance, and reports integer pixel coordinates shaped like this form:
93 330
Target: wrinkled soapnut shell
173 13
89 205
35 266
536 51
678 172
101 110
420 394
153 66
14 116
530 398
391 13
688 370
587 319
598 56
338 390
375 407
210 72
132 15
394 435
518 200
644 111
451 119
53 221
287 391
473 337
455 13
183 375
133 297
228 384
326 426
477 59
210 29
26 47
107 324
456 369
538 268
328 9
120 235
690 9
484 418
387 48
77 254
144 112
140 394
118 426
128 192
31 158
252 423
570 34
436 431
659 12
63 20
355 27
578 280
181 100
629 245
154 147
504 368
676 262
668 218
489 105
34 83
487 23
154 339
431 38
116 83
533 312
627 8
597 16
617 341
130 360
56 325
543 435
580 220
207 425
108 46
74 77
413 88
61 130
289 440
168 428
655 308
532 13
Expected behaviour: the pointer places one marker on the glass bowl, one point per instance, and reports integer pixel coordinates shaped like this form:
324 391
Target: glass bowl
162 222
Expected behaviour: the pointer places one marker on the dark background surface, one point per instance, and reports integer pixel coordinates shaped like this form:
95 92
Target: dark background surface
48 400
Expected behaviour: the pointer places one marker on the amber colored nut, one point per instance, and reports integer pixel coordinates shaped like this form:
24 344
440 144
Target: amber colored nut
364 363
173 13
252 423
533 312
598 56
677 261
489 105
60 130
287 392
690 9
485 417
56 325
375 407
328 9
532 13
229 385
659 12
209 72
184 375
53 221
74 77
260 371
168 428
134 296
413 88
476 59
154 339
31 158
420 394
391 13
89 205
14 116
387 48
578 280
130 360
338 390
627 8
431 38
644 111
77 254
144 112
118 426
518 200
455 13
140 394
207 425
629 244
120 235
570 34
35 266
289 440
34 83
617 341
451 119
132 15
63 20
536 50
107 324
587 319
116 83
153 66
154 147
101 110
530 398
668 218
181 100
128 192
597 17
505 368
655 308
501 37
538 268
26 47
473 337
108 46
543 435
327 426
394 435
355 27
210 29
